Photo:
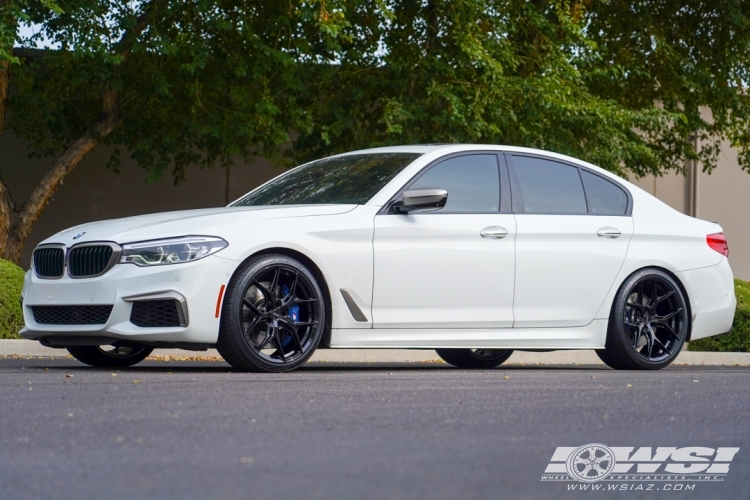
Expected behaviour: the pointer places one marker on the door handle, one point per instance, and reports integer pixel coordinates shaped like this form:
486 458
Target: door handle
609 232
496 232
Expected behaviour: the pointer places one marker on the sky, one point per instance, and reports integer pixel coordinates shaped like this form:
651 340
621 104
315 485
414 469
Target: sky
27 30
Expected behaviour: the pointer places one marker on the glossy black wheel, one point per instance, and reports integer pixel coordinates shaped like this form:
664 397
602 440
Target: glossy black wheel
474 358
649 322
117 355
273 315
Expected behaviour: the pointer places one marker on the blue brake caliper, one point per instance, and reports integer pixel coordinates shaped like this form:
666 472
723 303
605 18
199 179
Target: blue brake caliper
293 314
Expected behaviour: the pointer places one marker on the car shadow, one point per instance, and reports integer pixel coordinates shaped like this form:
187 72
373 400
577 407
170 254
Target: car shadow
313 367
219 366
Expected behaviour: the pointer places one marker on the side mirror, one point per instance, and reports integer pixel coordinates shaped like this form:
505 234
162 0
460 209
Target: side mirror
421 199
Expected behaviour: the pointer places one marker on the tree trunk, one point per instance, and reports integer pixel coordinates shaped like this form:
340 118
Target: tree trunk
16 224
11 23
432 20
4 85
13 246
7 207
7 214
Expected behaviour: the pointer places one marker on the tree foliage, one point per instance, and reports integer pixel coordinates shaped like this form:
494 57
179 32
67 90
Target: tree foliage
618 83
682 56
172 84
197 81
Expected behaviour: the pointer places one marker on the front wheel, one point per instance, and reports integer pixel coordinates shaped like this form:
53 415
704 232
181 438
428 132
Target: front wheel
118 355
474 358
273 315
648 324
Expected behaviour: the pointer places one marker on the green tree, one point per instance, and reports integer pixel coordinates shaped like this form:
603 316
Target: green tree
679 55
175 83
617 83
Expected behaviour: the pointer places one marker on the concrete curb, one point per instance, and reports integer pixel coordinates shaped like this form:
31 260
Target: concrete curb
29 348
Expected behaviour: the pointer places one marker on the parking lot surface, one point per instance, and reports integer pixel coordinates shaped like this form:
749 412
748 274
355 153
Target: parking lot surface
190 430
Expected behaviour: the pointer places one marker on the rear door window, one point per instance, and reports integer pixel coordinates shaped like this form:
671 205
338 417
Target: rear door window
549 187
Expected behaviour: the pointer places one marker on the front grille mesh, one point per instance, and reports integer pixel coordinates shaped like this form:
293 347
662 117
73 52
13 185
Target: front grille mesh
155 313
88 260
49 262
71 315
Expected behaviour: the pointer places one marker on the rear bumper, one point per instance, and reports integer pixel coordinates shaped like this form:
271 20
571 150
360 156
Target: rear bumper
198 283
712 299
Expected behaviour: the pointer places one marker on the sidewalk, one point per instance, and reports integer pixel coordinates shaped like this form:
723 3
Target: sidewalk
28 348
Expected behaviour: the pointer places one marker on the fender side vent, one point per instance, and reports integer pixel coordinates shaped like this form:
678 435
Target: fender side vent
357 313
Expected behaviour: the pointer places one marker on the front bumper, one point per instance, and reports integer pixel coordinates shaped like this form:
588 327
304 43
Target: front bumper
199 283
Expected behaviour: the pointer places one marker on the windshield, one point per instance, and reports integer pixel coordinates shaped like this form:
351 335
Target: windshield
351 179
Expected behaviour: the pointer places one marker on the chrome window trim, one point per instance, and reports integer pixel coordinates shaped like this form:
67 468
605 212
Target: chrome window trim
518 192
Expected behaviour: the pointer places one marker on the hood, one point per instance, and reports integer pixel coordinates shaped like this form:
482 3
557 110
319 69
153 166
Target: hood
183 223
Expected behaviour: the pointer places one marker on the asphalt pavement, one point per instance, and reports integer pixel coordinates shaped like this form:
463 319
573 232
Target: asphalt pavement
195 430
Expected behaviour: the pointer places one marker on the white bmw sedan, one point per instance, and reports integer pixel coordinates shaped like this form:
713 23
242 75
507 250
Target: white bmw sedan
474 251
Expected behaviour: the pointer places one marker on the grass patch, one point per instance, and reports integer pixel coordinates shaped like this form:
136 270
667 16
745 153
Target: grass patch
11 317
738 339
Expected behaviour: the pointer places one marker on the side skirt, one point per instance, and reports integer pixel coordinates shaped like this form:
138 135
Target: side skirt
591 336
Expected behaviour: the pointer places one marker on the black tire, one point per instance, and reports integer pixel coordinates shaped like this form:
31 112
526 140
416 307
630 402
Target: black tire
121 354
474 359
261 331
648 324
602 353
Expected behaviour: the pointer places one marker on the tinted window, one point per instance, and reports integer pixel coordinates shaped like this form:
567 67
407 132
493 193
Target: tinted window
549 187
344 179
604 197
472 182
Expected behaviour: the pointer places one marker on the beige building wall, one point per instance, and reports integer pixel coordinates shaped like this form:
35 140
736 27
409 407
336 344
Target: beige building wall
92 192
722 196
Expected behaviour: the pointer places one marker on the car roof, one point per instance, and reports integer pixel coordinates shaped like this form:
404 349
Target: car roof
456 148
414 148
450 147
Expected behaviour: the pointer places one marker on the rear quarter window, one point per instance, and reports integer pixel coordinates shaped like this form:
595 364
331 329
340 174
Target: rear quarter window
603 196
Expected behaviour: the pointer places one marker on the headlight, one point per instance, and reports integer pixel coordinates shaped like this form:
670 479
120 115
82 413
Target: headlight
170 251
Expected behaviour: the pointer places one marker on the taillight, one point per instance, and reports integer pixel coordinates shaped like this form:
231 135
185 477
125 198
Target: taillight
718 242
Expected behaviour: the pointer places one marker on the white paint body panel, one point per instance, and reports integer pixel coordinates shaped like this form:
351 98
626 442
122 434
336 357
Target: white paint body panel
711 300
564 269
434 270
439 279
591 336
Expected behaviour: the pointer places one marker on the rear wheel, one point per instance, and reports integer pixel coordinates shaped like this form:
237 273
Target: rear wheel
273 316
118 355
648 324
474 358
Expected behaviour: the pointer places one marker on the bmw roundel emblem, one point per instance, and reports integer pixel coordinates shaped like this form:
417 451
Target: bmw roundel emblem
79 235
